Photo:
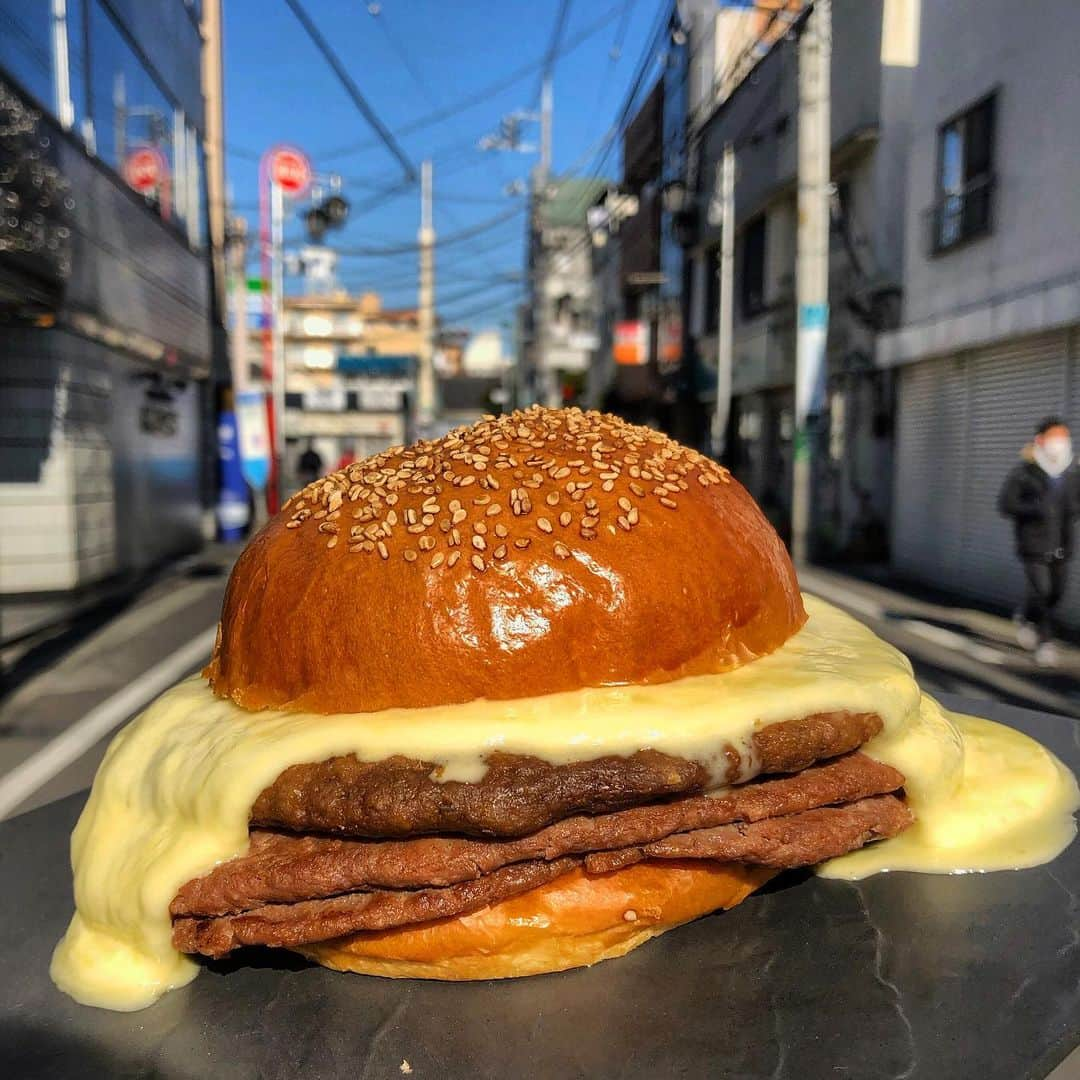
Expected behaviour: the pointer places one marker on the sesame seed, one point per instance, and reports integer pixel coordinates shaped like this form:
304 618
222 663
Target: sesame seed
543 524
552 498
479 563
426 543
623 523
671 504
522 543
632 515
409 555
494 509
391 517
500 552
332 542
562 551
383 553
452 558
625 504
467 480
437 560
459 516
501 530
480 528
565 518
479 543
607 485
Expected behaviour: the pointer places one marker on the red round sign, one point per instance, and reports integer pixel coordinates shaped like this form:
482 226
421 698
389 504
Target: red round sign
290 170
144 169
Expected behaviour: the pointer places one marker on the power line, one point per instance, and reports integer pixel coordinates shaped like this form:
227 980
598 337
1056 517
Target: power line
351 88
484 94
394 250
480 309
552 50
379 15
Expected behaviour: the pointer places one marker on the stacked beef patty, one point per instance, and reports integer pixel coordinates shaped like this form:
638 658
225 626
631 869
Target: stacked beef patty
345 847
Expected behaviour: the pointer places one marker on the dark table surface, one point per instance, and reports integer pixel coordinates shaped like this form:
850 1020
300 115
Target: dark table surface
900 975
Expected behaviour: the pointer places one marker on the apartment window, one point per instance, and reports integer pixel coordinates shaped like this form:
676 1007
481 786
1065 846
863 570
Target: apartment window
965 176
752 275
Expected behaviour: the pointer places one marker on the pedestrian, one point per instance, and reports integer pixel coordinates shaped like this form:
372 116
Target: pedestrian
348 456
310 465
1042 496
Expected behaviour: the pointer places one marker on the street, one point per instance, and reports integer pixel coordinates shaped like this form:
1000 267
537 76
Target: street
72 695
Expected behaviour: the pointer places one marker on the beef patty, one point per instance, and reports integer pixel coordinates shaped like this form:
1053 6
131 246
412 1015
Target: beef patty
518 795
794 840
283 868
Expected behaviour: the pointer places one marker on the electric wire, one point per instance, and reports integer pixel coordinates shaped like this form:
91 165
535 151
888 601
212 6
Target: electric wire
349 84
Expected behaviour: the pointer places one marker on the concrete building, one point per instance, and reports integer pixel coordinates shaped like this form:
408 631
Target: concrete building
559 337
108 315
350 376
873 49
989 334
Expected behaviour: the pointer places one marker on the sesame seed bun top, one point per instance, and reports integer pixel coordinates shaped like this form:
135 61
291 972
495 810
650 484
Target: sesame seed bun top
541 551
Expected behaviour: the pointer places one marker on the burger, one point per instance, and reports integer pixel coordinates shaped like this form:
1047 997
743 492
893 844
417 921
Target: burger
507 702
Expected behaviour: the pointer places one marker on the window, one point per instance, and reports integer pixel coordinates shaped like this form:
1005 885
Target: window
965 176
26 46
752 276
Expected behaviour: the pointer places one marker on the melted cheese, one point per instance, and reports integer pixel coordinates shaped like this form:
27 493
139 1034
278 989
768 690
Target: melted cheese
172 797
985 797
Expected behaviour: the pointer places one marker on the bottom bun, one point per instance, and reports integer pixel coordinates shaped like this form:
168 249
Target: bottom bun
576 920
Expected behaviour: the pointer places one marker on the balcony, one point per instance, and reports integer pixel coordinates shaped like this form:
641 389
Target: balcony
961 216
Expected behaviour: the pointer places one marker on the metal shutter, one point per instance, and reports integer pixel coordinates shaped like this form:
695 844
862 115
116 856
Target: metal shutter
1012 387
960 427
929 474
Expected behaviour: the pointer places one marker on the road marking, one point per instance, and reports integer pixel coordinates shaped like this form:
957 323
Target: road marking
939 635
57 754
844 597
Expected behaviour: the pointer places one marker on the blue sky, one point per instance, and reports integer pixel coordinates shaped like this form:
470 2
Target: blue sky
411 59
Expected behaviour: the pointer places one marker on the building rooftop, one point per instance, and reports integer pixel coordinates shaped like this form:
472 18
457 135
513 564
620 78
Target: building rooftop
572 197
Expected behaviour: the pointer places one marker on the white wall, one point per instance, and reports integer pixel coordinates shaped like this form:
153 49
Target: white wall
1025 276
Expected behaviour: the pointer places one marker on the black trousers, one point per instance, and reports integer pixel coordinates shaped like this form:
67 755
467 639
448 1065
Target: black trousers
1046 583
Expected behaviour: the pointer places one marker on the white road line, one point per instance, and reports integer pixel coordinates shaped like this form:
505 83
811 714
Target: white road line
38 769
842 597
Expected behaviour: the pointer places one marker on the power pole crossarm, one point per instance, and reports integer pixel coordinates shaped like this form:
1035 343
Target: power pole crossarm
812 263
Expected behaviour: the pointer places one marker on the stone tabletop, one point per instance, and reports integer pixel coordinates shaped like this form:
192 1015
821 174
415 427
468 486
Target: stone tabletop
902 975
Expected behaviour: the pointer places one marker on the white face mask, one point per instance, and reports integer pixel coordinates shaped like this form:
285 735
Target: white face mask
1054 455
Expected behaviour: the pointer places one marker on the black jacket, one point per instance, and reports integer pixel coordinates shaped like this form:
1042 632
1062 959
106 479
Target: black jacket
1042 511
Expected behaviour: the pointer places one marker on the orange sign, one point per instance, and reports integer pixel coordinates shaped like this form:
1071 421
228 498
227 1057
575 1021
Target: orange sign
145 169
631 344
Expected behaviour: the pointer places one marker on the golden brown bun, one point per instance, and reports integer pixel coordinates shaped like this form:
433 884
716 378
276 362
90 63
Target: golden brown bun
576 920
543 551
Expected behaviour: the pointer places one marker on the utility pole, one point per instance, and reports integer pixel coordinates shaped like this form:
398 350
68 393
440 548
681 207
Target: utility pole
426 390
725 322
236 237
812 263
548 389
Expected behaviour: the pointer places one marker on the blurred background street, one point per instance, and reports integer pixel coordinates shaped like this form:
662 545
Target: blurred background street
835 245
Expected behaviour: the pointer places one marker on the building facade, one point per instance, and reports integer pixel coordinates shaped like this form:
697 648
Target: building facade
872 42
107 317
350 377
989 335
558 335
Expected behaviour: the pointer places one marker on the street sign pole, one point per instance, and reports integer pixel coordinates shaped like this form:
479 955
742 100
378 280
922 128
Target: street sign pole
265 260
283 170
277 215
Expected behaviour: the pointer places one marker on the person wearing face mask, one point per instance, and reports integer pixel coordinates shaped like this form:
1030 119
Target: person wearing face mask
1042 496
